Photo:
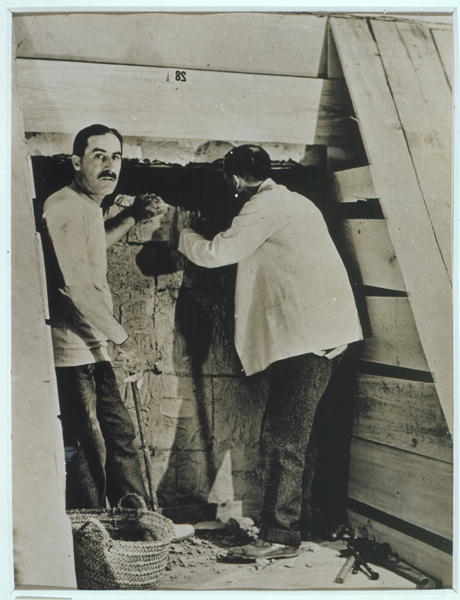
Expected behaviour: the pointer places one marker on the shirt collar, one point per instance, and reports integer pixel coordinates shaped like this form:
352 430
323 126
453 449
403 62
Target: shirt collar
265 185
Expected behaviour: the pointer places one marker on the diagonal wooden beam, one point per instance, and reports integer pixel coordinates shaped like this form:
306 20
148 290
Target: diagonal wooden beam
410 58
403 204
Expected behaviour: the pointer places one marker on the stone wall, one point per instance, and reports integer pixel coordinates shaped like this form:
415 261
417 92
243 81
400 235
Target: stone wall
202 415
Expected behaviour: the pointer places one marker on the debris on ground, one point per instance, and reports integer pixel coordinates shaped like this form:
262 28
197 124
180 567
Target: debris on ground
201 562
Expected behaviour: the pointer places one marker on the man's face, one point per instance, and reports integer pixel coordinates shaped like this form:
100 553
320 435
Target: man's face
231 182
99 167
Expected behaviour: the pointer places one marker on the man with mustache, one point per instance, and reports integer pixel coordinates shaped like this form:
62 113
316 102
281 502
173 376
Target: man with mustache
294 313
99 437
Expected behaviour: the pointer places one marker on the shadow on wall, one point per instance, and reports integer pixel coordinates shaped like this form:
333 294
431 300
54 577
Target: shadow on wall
210 409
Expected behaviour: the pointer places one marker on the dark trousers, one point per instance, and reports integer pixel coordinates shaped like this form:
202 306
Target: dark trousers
290 443
99 438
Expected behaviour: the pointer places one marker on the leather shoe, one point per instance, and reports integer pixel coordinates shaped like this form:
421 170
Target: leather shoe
263 549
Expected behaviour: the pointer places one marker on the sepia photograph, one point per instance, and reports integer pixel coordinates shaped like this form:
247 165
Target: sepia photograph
231 300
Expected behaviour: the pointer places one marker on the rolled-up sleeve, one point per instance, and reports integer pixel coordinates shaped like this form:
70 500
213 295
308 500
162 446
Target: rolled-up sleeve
249 230
68 234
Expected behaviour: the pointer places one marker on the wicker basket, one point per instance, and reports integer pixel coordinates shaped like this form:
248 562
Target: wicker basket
120 549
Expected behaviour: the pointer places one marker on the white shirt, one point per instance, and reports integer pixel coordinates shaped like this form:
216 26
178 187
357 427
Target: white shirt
80 300
292 292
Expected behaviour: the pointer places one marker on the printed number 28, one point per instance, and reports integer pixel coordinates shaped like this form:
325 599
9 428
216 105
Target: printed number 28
181 76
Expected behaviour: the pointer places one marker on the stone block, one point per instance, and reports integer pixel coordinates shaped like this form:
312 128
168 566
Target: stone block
161 228
48 144
238 409
168 151
180 416
136 314
193 477
173 351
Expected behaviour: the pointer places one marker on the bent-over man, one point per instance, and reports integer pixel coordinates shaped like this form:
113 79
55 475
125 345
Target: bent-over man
295 312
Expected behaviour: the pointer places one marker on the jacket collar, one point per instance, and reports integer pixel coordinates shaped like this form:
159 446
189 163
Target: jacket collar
266 185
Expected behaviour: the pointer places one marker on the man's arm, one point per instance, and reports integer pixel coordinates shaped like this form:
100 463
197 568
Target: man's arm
68 234
249 230
118 226
144 207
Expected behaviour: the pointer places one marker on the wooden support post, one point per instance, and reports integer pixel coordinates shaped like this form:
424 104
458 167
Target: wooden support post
43 548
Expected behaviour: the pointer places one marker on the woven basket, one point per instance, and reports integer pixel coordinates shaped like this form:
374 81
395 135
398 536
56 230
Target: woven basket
114 549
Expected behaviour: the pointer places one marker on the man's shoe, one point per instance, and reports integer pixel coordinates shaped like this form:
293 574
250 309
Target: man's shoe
182 531
262 549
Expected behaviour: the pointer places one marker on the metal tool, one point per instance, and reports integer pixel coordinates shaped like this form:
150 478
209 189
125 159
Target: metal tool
144 446
345 570
355 551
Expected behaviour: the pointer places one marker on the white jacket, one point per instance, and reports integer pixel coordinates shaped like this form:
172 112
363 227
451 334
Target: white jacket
292 292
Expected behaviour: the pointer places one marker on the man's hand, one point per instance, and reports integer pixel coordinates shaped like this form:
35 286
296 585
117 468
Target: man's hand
129 358
147 206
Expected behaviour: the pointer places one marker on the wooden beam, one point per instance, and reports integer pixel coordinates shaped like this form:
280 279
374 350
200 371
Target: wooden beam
346 156
396 183
371 252
62 97
334 69
434 87
444 44
428 134
353 184
395 340
402 414
274 44
43 548
429 560
408 486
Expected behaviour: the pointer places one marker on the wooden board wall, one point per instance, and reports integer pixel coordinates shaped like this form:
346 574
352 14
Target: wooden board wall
414 551
395 179
401 456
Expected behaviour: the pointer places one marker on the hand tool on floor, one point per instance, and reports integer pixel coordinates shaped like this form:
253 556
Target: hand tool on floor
359 550
345 570
135 387
355 552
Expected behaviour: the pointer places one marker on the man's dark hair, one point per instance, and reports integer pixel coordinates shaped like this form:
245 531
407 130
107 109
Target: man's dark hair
250 162
81 139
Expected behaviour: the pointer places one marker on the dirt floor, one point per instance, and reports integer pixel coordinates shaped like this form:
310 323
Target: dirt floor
199 563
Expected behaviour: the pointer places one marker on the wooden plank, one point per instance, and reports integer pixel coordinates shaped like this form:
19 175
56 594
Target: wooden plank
277 44
429 137
429 560
402 414
334 68
370 250
408 486
440 19
43 548
62 97
444 43
346 157
395 340
434 87
395 180
353 184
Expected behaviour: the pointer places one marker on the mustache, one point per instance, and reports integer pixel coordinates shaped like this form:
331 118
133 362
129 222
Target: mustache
107 173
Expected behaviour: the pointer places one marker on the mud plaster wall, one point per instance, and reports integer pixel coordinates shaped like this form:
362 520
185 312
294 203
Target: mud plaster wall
202 414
